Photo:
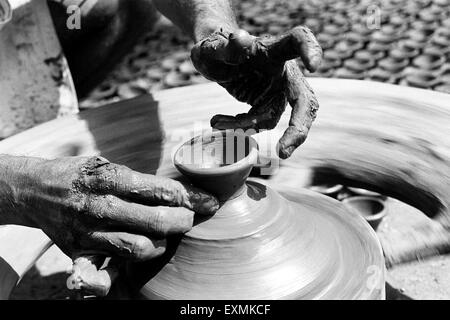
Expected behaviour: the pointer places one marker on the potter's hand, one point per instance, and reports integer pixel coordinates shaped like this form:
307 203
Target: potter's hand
91 205
262 73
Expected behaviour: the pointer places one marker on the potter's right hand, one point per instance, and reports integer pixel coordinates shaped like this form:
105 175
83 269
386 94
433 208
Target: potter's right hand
89 205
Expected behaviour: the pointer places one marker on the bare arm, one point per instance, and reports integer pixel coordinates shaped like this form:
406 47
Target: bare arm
199 18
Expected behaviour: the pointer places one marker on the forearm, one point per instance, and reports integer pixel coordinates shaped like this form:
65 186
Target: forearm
14 179
199 18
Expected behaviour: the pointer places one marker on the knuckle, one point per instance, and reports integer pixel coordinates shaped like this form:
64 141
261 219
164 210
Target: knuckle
94 171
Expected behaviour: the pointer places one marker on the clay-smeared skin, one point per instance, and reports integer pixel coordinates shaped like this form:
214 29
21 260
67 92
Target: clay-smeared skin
262 73
91 205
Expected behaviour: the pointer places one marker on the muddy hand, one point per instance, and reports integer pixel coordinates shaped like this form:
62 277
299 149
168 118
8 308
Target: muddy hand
89 205
262 73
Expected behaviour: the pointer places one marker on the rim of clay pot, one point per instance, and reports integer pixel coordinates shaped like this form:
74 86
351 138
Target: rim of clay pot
372 217
250 159
327 189
364 192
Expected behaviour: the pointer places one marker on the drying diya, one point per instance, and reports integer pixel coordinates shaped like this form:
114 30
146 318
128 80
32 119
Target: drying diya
262 244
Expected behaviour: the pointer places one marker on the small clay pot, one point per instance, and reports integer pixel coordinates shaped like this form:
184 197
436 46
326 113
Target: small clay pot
403 51
411 45
445 88
429 61
331 59
444 74
379 74
347 73
330 190
313 24
382 37
5 13
332 30
421 79
347 47
365 55
359 65
326 41
393 65
365 192
376 47
372 209
442 37
361 28
219 162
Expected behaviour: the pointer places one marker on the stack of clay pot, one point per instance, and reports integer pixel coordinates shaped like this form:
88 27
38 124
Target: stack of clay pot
399 41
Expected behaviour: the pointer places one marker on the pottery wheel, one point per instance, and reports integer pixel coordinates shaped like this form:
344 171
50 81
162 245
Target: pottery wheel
263 246
389 139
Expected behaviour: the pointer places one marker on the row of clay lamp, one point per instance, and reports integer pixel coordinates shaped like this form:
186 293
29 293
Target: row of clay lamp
410 47
369 204
386 54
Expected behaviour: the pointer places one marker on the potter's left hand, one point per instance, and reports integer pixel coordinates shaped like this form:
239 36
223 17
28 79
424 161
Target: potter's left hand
262 73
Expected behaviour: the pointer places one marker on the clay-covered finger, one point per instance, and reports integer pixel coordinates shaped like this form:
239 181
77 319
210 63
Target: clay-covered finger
304 109
148 189
126 245
265 116
115 213
298 42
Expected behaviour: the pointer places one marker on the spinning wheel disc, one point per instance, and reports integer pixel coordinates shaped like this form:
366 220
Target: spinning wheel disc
263 246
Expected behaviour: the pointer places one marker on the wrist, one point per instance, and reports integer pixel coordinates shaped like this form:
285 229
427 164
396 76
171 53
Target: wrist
15 178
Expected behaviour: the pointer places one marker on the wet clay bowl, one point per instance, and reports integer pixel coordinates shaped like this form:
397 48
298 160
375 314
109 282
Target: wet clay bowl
261 244
372 209
219 162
